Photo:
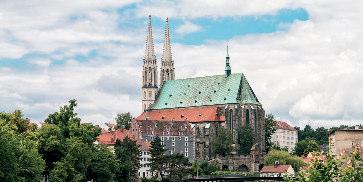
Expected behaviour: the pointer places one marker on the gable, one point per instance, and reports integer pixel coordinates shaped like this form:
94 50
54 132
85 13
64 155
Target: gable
205 91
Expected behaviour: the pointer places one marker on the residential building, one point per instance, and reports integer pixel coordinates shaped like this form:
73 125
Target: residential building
285 136
277 170
342 142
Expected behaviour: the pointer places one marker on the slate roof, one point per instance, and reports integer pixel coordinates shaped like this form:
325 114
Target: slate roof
192 114
205 91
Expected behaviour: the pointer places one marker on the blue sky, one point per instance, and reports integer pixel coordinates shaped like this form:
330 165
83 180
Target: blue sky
92 51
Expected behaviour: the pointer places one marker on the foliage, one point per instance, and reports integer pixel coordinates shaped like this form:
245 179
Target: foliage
103 165
205 167
270 128
303 147
245 139
222 142
234 173
123 120
158 159
283 157
128 156
177 167
19 158
351 169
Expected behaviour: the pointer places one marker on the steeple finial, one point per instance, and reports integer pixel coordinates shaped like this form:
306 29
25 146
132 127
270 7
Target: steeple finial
167 48
228 67
149 50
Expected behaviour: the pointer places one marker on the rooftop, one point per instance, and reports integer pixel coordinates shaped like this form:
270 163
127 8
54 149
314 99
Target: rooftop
191 114
275 169
283 125
205 91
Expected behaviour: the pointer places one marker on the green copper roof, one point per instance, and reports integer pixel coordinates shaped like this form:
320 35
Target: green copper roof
201 91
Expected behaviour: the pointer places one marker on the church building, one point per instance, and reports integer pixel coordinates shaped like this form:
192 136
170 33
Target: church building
186 113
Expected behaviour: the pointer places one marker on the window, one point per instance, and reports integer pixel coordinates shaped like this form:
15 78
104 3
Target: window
186 144
186 154
186 138
230 119
247 117
162 138
173 144
150 94
173 138
162 143
186 149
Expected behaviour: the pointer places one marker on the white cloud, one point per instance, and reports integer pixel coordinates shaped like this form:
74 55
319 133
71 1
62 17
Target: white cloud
188 27
311 72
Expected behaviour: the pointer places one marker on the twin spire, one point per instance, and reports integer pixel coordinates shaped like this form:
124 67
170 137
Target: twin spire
150 63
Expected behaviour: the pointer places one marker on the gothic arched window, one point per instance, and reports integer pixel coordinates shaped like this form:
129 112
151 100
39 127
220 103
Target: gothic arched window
230 119
247 117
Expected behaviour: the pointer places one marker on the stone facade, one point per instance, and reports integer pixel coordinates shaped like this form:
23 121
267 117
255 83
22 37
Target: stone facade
341 142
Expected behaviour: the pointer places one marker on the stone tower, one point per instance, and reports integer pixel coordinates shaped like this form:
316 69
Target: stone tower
167 63
149 71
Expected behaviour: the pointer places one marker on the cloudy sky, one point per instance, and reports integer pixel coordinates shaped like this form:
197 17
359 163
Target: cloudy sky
304 59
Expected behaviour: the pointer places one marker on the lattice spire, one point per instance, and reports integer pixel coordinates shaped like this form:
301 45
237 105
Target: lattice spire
149 50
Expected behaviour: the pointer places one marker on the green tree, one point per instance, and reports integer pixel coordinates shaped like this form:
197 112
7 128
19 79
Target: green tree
322 136
283 157
245 139
177 167
303 147
319 171
158 159
103 165
222 142
66 144
128 156
19 157
270 128
354 170
123 120
205 167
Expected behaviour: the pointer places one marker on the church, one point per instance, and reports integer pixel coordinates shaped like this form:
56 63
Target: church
186 113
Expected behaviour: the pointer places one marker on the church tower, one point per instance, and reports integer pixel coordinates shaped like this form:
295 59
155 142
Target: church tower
167 63
149 71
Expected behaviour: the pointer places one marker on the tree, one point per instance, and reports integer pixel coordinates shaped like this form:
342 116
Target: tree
20 160
123 120
158 159
103 165
245 139
177 167
222 142
128 156
305 146
66 144
283 157
270 128
322 136
204 167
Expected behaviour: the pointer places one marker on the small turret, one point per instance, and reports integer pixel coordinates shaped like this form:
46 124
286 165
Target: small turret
228 67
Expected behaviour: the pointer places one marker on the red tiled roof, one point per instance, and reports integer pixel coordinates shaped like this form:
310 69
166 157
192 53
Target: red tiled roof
191 114
275 169
283 125
110 138
310 158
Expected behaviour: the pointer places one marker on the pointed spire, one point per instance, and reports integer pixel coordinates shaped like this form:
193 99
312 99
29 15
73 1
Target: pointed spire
228 67
149 50
167 48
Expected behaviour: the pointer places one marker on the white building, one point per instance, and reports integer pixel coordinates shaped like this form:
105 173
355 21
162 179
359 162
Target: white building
285 136
144 171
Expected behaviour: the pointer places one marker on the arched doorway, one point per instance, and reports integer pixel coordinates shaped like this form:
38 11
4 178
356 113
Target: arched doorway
225 168
243 168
